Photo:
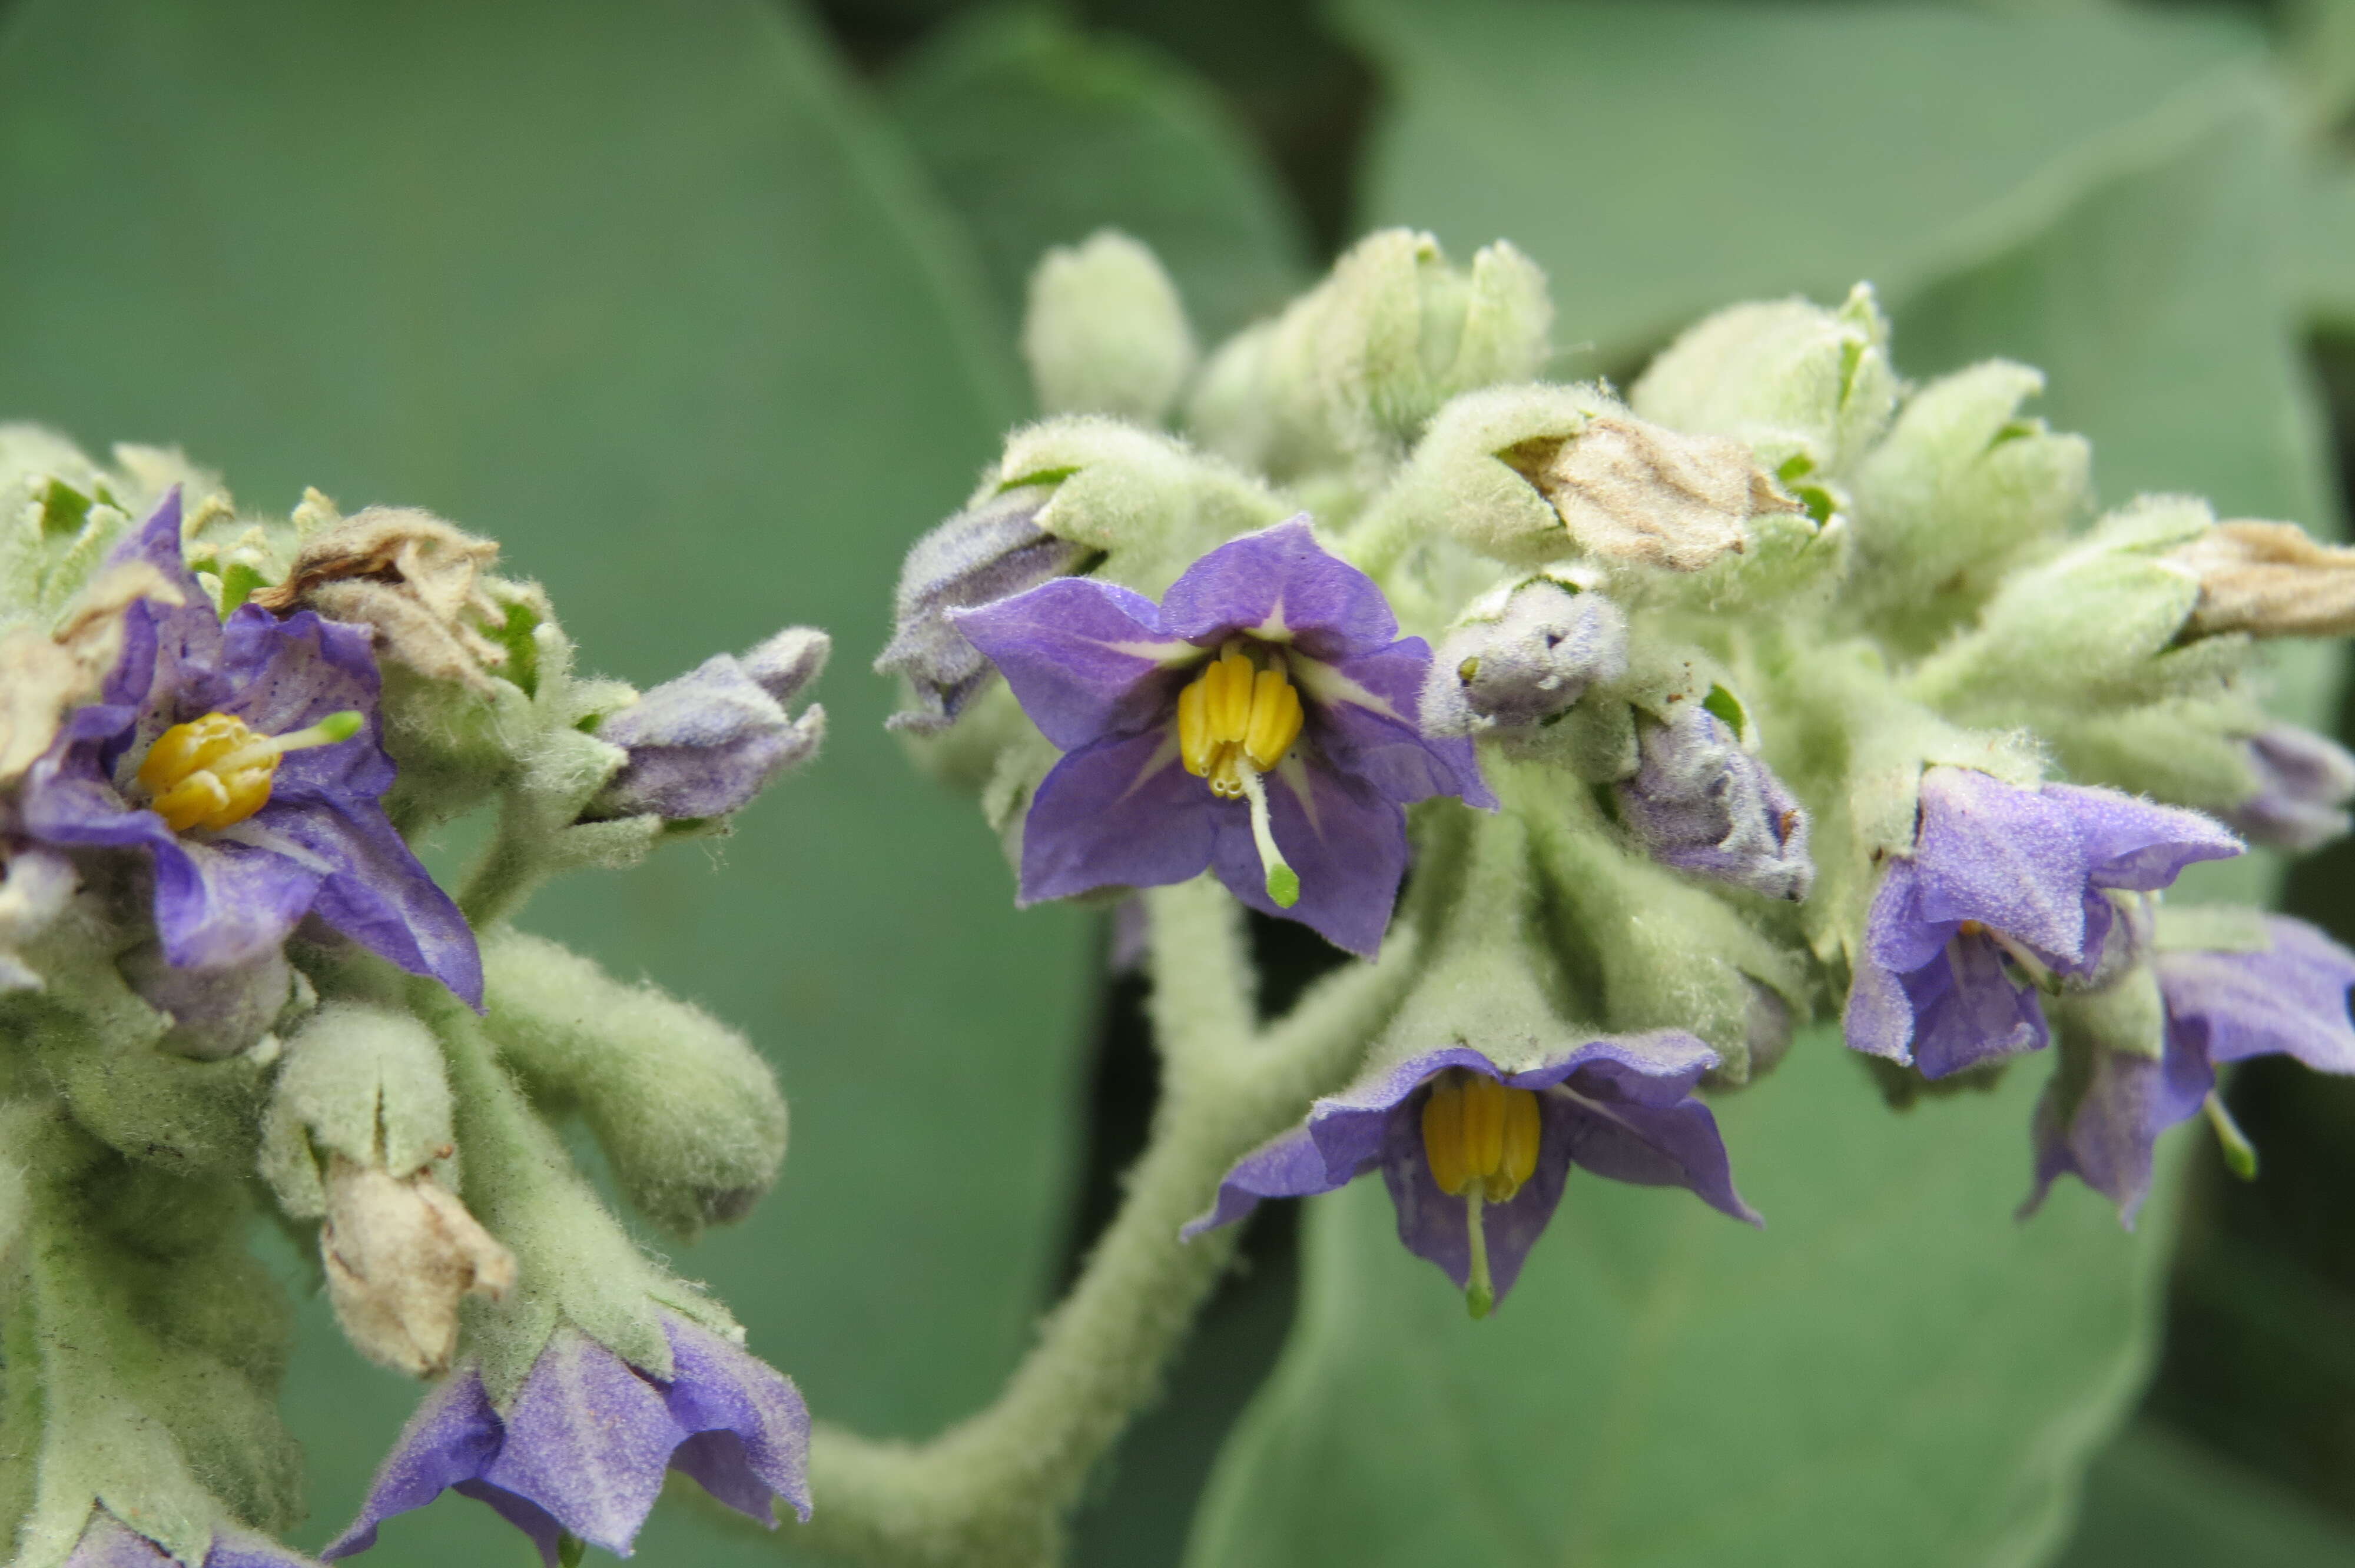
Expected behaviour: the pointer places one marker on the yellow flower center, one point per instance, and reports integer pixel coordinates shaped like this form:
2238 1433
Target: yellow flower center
1234 712
1477 1132
216 772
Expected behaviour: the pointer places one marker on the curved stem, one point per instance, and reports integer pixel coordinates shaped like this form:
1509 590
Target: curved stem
997 1488
507 875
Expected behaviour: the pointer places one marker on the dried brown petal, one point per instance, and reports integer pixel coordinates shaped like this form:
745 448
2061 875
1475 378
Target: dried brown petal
2270 579
43 675
409 576
1630 490
400 1253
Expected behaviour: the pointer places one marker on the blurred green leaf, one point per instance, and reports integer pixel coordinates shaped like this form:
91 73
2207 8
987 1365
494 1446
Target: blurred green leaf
1893 1371
649 294
1663 160
1039 134
2324 261
2158 1502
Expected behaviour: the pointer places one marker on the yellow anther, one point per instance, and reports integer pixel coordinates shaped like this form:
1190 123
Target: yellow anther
216 772
1194 743
1476 1131
1227 691
1275 716
1235 711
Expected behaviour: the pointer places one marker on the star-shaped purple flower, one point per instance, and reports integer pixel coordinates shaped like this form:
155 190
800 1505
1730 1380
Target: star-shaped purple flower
319 845
584 1450
107 1542
2005 887
1620 1106
1170 714
2288 999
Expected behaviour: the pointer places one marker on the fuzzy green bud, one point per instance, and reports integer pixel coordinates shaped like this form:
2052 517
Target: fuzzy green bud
1106 332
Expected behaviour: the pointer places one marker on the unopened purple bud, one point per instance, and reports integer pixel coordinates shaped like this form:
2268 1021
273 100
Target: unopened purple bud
1702 803
2304 783
705 743
1528 663
216 1012
981 555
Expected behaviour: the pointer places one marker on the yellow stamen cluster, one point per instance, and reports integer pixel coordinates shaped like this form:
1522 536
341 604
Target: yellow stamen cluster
1235 711
1477 1132
216 772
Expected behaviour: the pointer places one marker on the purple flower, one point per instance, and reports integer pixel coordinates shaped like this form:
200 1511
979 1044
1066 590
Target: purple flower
1460 1139
583 1449
2003 891
2100 1118
983 554
705 743
107 1542
2304 782
1702 803
1268 657
286 710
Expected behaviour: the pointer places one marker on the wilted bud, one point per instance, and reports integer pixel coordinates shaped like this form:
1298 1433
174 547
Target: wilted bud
705 744
1702 803
2269 579
44 674
400 1253
412 578
1808 389
1105 332
984 553
214 1012
2304 783
1633 491
35 883
1522 656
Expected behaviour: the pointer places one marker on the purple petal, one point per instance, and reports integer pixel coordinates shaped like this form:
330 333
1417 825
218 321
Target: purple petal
1277 584
1344 840
107 1542
1604 1117
242 1549
2289 999
453 1436
702 745
547 1535
223 901
288 675
1289 1165
1123 812
1363 718
749 1429
1436 1227
2107 1138
2304 783
2135 846
373 890
1968 1007
2010 858
587 1441
1085 659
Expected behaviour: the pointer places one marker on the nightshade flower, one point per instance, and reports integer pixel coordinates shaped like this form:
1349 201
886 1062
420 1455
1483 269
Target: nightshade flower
246 759
705 743
1702 803
984 553
107 1542
1267 658
583 1449
2100 1118
2304 782
1475 1156
2004 892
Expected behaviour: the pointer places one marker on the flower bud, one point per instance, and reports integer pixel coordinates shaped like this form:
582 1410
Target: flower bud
2304 783
214 1012
704 743
412 578
400 1253
1701 803
1106 332
1522 656
990 551
1808 389
2269 579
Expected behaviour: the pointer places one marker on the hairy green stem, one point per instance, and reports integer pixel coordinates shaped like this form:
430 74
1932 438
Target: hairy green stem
502 881
997 1489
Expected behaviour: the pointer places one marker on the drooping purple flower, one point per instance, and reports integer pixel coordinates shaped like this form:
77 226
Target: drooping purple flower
2100 1118
1267 658
2005 888
1621 1107
703 744
2304 783
107 1542
584 1450
319 845
983 554
1700 803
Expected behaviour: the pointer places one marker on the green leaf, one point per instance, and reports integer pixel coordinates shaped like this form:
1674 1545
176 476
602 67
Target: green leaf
1894 1371
1662 161
2324 246
2157 1500
650 295
1038 135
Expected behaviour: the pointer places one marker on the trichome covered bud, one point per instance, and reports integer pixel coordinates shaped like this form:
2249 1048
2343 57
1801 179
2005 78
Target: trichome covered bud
1106 332
704 743
2269 579
1701 802
1522 656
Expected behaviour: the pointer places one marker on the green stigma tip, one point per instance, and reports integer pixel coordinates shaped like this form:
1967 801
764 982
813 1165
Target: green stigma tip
569 1549
340 726
1284 885
1478 1300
